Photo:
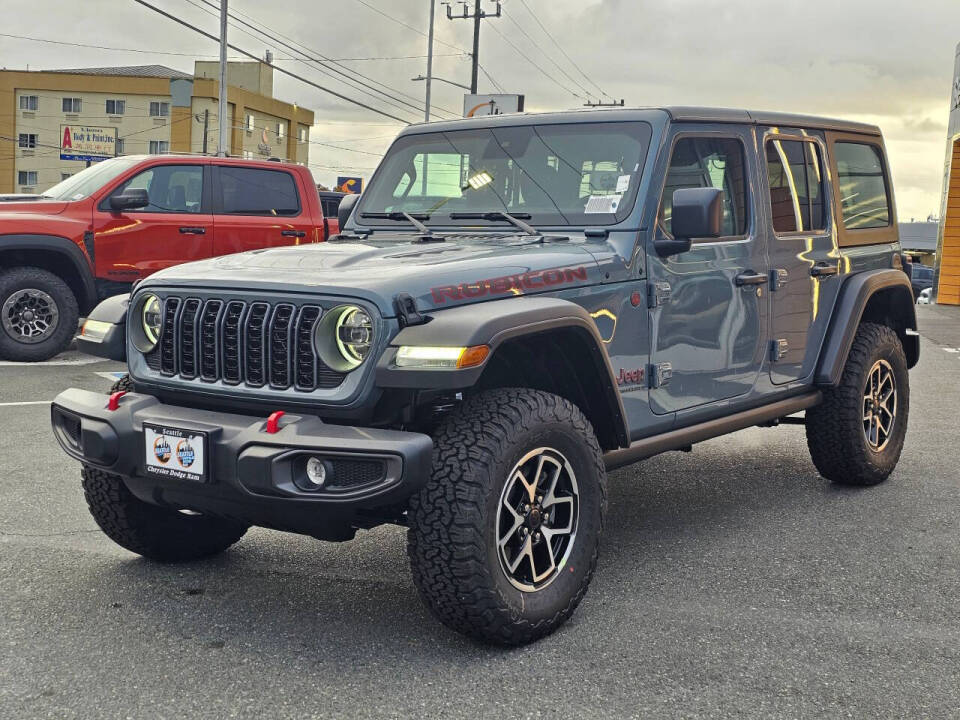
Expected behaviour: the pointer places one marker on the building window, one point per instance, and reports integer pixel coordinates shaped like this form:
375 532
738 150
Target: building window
159 109
251 121
28 102
116 107
248 155
65 176
303 134
27 177
159 147
27 141
118 147
72 105
281 130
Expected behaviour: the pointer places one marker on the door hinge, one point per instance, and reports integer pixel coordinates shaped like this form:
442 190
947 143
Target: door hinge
658 293
778 279
660 374
778 349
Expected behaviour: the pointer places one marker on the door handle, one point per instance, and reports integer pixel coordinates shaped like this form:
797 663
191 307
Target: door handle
750 278
821 269
193 231
293 233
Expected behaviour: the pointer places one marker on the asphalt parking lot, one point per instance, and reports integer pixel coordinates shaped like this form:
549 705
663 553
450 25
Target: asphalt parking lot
734 582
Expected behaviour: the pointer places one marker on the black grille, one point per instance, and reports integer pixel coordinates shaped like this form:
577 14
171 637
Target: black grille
257 344
353 473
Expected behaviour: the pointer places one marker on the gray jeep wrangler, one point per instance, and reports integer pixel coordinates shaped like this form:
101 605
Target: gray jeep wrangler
516 305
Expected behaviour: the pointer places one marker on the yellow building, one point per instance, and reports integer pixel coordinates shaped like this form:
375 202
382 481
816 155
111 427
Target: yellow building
153 109
947 276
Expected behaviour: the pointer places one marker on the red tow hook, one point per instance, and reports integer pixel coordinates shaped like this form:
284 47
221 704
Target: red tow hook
114 402
273 422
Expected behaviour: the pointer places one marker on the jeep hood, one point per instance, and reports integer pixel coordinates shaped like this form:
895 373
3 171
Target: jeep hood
437 274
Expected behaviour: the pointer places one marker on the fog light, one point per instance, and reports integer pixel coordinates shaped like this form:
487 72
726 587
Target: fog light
316 473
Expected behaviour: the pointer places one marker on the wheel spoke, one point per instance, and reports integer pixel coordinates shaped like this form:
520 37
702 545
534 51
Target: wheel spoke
537 577
514 526
526 550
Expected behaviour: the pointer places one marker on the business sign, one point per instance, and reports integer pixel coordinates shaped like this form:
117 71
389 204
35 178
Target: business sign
352 185
87 142
476 105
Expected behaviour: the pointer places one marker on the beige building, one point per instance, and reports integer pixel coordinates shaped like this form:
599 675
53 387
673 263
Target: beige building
148 108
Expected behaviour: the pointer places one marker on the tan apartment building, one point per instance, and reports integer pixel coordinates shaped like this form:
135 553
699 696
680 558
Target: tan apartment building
147 109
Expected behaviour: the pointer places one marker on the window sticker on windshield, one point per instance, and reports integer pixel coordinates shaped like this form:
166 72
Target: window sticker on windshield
623 182
602 204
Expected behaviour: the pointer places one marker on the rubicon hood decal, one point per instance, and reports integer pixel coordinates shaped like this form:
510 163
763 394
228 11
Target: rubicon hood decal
507 284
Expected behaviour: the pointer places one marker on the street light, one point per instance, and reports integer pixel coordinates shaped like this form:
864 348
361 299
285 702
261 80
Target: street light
440 79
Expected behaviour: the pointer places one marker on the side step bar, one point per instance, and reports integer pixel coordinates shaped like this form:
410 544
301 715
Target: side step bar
684 437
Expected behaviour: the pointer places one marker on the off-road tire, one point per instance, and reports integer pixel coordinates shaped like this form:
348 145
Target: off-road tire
452 541
21 278
835 432
124 384
149 530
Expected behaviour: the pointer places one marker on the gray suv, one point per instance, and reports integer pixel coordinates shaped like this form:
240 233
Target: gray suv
515 306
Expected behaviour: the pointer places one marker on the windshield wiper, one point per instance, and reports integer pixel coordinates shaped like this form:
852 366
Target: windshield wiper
499 215
426 234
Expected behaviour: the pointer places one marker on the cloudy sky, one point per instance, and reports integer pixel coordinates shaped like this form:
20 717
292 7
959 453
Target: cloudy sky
884 61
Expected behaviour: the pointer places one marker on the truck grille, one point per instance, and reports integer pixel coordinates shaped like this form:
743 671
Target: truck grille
256 344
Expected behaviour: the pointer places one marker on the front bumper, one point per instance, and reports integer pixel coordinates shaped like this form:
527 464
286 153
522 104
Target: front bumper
252 475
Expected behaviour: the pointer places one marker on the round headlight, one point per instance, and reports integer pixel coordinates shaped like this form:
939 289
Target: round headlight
344 337
150 318
144 326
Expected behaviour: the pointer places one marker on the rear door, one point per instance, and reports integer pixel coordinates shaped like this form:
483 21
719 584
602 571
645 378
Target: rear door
803 252
176 227
259 207
708 316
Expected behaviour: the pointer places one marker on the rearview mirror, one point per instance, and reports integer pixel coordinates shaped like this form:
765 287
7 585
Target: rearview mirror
346 207
130 199
696 213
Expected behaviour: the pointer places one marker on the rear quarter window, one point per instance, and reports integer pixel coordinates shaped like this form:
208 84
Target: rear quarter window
862 184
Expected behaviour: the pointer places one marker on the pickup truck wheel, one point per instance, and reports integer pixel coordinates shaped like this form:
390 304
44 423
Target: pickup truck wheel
856 434
154 532
504 537
38 314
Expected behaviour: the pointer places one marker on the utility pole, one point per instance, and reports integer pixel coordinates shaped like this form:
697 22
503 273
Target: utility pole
477 16
206 123
590 103
223 147
426 112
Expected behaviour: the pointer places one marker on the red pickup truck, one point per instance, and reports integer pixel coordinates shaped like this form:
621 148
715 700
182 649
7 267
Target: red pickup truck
99 231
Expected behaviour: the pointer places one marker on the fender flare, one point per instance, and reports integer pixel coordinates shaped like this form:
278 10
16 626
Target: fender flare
64 247
854 296
493 323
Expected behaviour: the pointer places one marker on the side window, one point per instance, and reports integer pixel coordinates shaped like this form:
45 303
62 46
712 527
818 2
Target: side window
249 191
864 197
795 177
701 162
171 188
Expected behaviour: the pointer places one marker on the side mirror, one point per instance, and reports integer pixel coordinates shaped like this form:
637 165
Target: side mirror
130 199
346 207
697 213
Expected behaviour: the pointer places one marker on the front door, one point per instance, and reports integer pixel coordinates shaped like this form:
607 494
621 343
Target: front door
176 227
708 316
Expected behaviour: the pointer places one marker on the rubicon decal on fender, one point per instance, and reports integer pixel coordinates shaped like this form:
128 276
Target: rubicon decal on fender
507 284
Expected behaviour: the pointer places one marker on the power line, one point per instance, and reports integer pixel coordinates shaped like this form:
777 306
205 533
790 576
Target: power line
275 67
196 55
526 57
560 48
544 53
321 61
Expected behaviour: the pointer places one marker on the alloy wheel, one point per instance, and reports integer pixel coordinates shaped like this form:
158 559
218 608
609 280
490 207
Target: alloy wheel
29 315
879 405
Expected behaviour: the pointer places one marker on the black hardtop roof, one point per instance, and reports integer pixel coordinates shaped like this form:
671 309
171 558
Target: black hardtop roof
675 113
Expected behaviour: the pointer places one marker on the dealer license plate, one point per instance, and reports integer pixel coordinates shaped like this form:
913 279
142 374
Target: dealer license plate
175 453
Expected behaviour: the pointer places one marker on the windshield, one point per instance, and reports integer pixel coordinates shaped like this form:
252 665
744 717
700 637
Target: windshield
576 174
90 179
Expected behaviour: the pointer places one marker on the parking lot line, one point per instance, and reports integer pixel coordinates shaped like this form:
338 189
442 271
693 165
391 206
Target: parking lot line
26 402
51 363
